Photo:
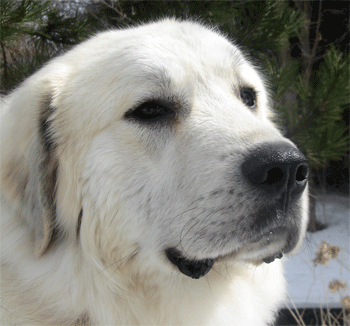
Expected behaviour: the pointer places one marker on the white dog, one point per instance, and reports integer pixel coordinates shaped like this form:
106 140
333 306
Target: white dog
143 183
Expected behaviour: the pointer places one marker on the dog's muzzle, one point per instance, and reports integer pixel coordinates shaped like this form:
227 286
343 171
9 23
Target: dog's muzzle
278 171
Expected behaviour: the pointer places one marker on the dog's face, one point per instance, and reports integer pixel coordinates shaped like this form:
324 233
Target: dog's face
164 142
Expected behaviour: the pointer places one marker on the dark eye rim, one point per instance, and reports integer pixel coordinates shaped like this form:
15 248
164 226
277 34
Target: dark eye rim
161 112
251 93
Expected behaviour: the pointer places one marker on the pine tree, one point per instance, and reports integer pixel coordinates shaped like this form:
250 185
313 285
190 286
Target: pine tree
32 31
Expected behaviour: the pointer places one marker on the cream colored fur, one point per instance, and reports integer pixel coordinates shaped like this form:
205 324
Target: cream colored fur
87 212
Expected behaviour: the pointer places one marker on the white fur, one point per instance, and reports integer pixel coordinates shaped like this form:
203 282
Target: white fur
141 190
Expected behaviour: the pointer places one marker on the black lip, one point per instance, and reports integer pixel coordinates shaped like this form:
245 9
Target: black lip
192 268
272 258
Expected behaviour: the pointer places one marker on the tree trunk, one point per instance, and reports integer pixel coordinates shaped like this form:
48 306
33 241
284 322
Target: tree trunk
314 225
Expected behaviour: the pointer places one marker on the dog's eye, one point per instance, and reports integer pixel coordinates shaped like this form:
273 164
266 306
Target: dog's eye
248 97
151 111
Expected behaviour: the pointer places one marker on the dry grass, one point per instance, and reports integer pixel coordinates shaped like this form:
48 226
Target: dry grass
324 254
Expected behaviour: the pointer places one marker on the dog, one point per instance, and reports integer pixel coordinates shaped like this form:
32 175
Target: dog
144 182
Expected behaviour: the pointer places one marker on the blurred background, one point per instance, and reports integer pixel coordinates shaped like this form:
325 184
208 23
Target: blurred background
302 47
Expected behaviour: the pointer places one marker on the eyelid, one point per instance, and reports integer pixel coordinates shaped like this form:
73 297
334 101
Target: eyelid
248 97
136 114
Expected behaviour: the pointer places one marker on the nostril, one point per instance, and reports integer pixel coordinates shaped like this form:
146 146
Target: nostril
302 173
276 169
273 176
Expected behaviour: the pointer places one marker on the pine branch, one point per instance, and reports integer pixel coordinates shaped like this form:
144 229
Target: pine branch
312 55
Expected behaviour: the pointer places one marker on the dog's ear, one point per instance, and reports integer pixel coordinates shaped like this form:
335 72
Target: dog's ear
29 165
45 229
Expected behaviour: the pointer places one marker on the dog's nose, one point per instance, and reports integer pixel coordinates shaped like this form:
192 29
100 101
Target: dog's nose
277 168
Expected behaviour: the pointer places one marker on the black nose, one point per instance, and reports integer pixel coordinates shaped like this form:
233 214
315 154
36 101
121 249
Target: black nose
277 168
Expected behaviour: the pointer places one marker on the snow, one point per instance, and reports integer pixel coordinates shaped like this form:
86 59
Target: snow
307 283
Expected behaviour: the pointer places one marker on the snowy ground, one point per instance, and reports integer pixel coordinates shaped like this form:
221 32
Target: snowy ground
308 284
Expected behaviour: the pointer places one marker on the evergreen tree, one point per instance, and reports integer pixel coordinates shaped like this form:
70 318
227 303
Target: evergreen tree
32 31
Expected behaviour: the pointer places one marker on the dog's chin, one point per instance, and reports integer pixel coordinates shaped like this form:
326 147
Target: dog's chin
264 248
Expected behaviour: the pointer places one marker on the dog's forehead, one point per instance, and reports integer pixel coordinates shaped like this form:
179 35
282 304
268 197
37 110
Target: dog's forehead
186 54
159 53
187 45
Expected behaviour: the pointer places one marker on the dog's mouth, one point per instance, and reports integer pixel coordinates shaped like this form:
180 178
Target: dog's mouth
188 267
265 249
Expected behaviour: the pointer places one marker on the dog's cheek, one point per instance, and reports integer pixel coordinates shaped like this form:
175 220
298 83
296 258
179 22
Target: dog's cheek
113 196
106 229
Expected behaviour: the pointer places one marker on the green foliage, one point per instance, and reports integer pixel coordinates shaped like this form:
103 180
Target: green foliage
311 113
32 31
325 99
20 18
258 25
332 81
61 30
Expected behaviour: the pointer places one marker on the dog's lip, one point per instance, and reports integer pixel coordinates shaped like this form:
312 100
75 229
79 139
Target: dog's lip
269 245
189 267
270 235
197 268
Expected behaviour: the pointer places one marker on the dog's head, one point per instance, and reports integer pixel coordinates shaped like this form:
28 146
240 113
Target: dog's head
155 143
